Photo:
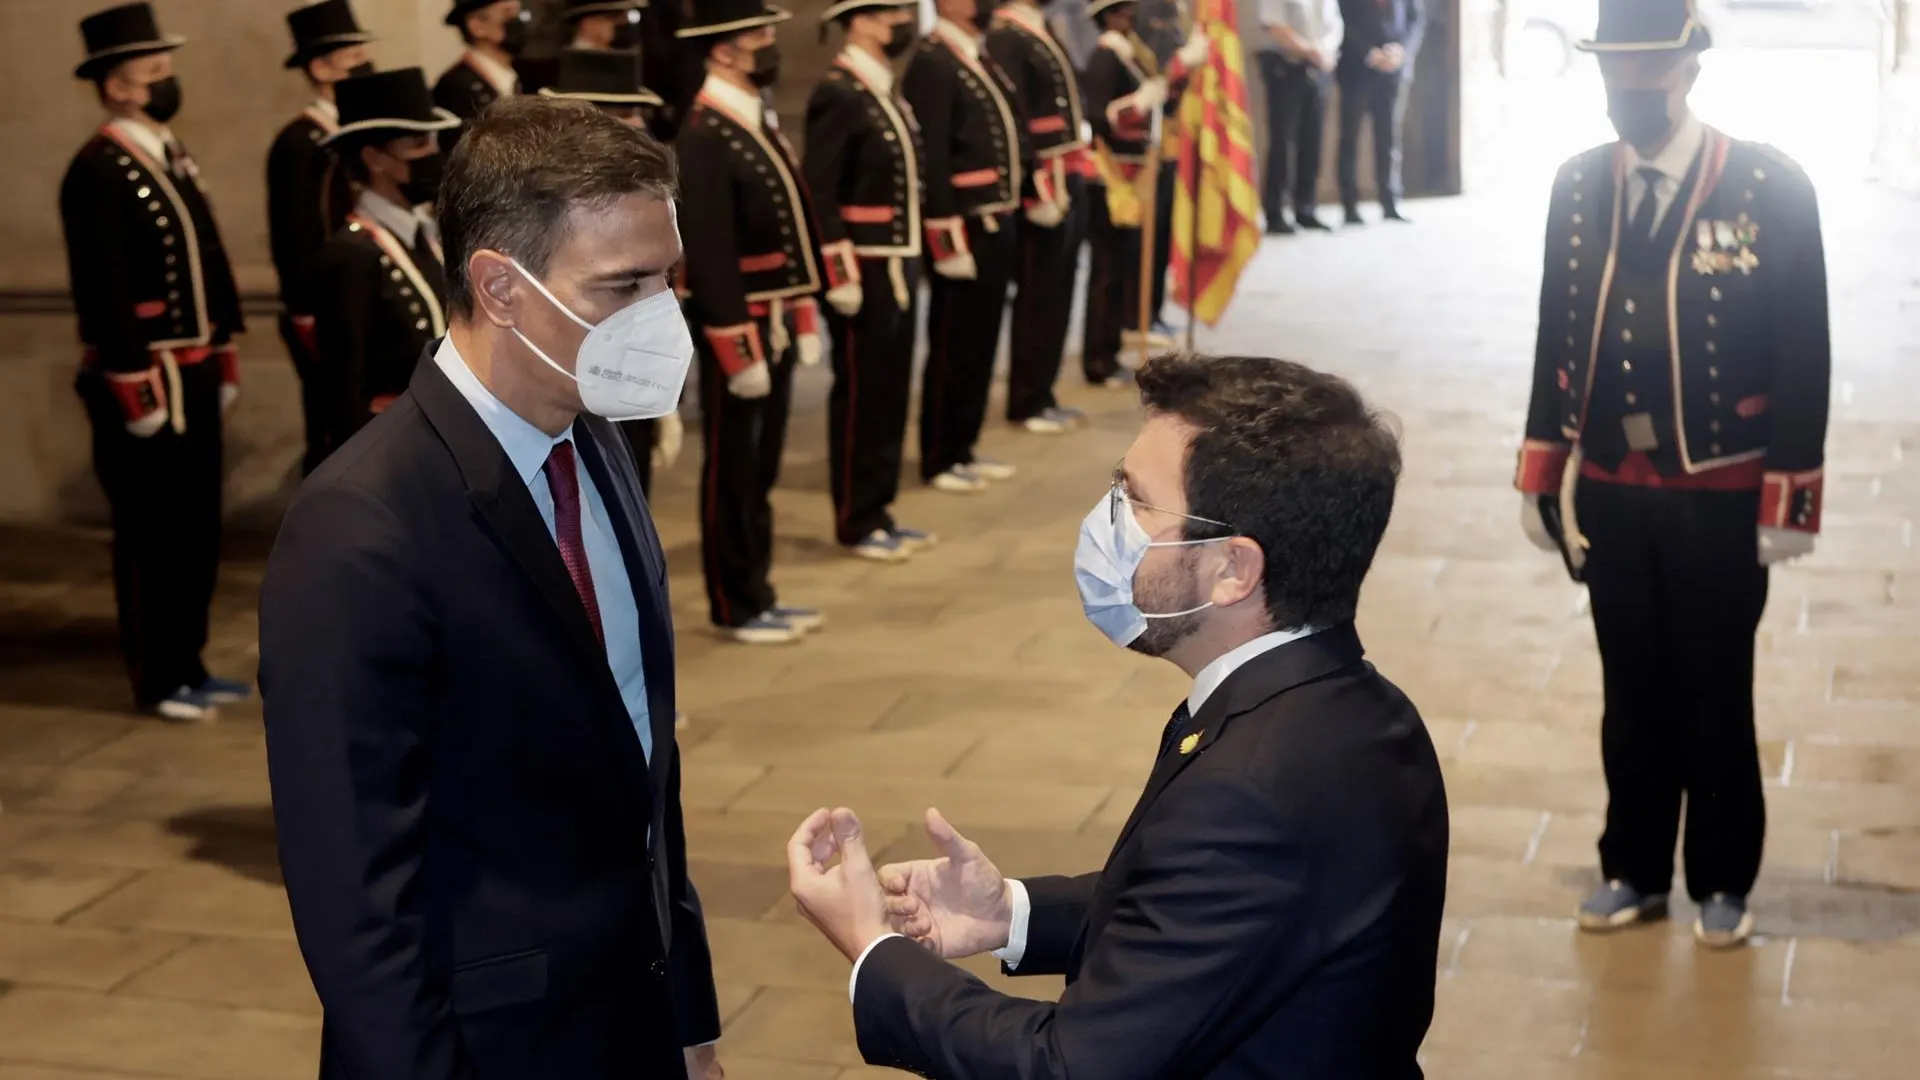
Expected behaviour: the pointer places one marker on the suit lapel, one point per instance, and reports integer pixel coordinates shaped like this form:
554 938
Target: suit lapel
1261 680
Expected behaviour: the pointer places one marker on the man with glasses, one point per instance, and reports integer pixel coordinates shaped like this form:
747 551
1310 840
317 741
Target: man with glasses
1272 906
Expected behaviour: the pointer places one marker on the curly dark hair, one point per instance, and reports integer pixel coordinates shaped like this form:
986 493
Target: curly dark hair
1292 459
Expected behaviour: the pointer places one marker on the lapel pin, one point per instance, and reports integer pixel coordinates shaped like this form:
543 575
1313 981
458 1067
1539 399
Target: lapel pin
1187 744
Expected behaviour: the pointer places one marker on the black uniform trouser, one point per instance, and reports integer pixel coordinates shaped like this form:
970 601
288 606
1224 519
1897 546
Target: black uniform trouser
1380 98
1113 288
741 443
1044 273
867 408
1162 237
963 338
1677 592
1296 125
640 435
318 397
164 494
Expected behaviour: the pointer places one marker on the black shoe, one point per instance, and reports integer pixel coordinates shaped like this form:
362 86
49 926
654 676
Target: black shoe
1309 221
1392 213
1279 227
1354 218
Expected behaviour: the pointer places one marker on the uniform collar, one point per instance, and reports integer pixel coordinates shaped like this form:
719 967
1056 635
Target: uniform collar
876 74
958 38
1215 673
1676 159
743 105
152 143
326 108
1120 43
499 75
404 223
527 446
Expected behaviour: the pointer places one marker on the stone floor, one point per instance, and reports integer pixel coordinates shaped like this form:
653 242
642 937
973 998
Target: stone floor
143 932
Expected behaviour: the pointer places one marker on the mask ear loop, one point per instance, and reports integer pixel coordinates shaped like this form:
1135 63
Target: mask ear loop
568 312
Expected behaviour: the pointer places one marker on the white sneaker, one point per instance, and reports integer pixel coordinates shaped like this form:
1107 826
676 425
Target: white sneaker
959 480
1046 425
765 630
881 546
989 469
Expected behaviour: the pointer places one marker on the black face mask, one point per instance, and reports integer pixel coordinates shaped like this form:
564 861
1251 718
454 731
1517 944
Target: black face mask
1641 116
766 66
513 37
422 184
982 14
163 99
360 71
625 36
900 40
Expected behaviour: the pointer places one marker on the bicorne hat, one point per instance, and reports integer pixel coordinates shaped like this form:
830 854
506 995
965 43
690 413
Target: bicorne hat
577 9
850 7
712 18
389 103
1648 26
119 34
321 28
1097 6
602 76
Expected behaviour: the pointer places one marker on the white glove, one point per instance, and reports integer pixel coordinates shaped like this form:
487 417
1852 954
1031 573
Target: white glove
668 435
755 382
228 393
957 267
808 349
1152 93
1195 51
1047 215
149 425
845 299
1783 545
1534 525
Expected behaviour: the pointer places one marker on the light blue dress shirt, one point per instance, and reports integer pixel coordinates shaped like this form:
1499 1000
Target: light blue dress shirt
527 448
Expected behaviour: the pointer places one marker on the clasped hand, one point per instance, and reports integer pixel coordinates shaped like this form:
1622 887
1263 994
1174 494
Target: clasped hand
956 905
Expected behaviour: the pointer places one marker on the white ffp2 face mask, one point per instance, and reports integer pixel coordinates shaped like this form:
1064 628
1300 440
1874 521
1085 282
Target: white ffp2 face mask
633 365
1112 546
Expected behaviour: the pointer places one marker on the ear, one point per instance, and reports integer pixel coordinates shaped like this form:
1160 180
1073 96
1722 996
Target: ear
496 295
1240 574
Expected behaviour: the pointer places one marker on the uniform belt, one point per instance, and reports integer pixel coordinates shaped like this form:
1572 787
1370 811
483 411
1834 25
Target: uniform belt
90 357
1636 470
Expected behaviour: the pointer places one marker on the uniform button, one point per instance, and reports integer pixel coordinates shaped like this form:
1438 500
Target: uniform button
167 240
143 193
1712 347
1759 174
1573 264
171 259
1579 218
1573 290
176 313
132 175
172 277
420 324
125 160
1632 400
384 261
1569 339
1571 316
414 308
162 221
1626 365
1575 241
1630 307
1714 427
173 294
154 205
1713 320
1626 336
1715 448
1713 373
395 274
406 290
1577 197
1577 177
1714 292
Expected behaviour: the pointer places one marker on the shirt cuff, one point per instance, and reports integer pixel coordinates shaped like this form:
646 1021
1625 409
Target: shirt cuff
853 980
1016 949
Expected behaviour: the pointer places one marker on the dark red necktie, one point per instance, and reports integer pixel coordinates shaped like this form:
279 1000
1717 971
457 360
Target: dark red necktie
564 483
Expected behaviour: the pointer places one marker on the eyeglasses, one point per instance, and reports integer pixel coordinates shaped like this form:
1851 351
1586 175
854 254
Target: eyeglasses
1118 500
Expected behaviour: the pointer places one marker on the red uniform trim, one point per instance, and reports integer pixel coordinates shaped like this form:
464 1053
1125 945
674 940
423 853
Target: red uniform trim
737 348
1047 125
140 394
806 316
1791 500
946 237
752 264
976 178
151 309
868 215
1543 466
841 265
1637 470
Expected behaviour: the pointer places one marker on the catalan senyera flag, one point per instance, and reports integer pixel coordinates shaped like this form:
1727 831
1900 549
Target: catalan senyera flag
1216 205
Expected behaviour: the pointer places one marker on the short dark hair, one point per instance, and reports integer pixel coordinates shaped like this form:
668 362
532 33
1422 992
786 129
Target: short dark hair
1290 458
523 166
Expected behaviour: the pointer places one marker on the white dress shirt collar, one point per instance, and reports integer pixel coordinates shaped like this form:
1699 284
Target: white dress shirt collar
151 142
1676 158
1213 675
403 222
741 104
527 446
870 69
499 75
961 39
327 109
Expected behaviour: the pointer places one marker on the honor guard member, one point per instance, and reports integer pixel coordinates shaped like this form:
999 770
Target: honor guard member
972 171
604 24
1123 94
863 170
612 79
381 281
1048 99
1674 450
752 273
157 311
308 197
495 32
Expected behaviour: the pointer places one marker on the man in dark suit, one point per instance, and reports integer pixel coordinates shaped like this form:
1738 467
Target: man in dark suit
1272 906
1374 70
468 660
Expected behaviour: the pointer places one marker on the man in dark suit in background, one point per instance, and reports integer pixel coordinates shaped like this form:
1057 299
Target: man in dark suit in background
468 657
1272 906
1375 68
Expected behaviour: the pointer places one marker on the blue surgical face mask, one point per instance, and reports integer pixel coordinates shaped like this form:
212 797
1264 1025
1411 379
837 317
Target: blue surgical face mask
1112 547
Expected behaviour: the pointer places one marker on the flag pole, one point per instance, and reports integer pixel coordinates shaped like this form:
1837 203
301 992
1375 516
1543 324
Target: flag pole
1190 145
1149 228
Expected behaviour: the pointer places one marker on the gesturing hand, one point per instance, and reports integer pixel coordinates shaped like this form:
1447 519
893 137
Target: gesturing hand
843 902
956 905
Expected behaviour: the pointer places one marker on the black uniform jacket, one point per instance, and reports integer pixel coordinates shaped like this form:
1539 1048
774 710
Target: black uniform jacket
308 199
862 167
748 227
147 267
1749 348
488 877
377 309
1271 909
1123 129
464 92
973 146
1046 94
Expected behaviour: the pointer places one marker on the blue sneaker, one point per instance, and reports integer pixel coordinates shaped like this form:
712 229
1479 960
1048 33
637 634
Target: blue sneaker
1617 904
881 546
1067 415
187 705
913 539
1723 922
804 619
764 629
224 691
